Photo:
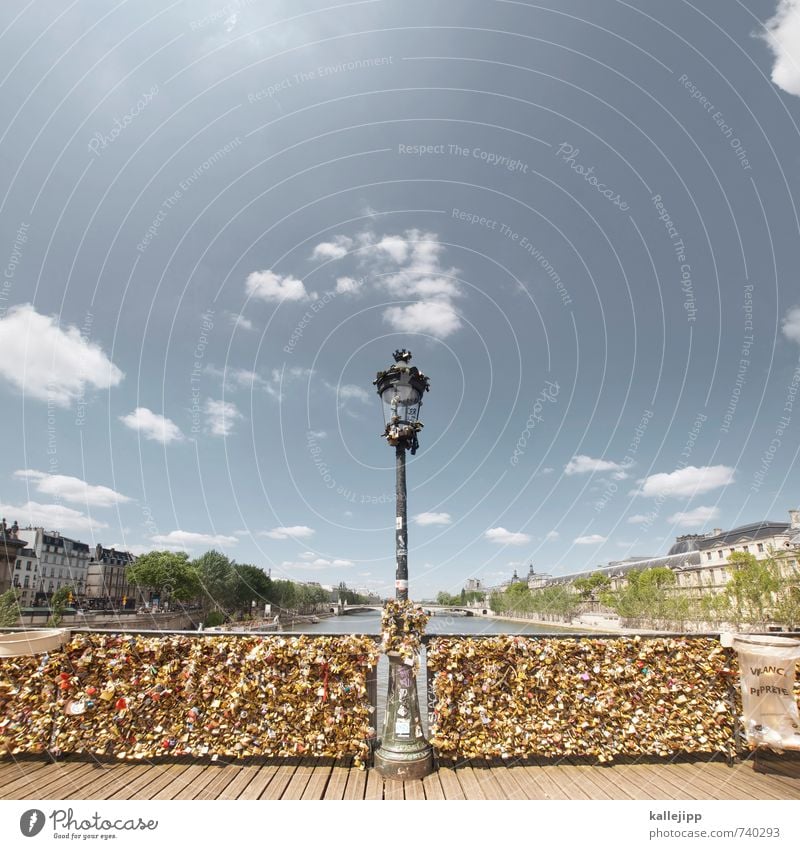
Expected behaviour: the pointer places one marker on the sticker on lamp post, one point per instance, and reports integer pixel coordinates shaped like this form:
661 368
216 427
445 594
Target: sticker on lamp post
766 670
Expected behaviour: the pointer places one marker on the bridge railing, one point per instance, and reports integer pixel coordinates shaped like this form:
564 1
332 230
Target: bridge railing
136 695
601 696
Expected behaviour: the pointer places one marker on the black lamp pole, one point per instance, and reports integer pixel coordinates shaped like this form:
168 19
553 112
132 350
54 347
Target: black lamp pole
404 752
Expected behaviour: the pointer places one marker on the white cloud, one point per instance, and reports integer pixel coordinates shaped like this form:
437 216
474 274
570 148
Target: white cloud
135 549
638 519
240 321
336 249
280 378
695 518
269 286
317 434
72 489
791 325
583 464
592 539
54 517
293 532
348 285
435 317
396 246
221 416
49 363
691 480
504 537
152 425
432 518
318 563
783 37
552 535
189 539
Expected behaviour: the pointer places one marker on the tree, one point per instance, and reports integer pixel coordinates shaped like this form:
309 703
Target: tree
165 572
752 587
250 584
58 602
590 587
217 580
9 608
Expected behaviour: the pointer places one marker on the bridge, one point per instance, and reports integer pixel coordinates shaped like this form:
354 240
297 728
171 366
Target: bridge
344 609
442 610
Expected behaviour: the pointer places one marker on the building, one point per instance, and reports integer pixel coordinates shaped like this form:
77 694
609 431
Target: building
10 546
25 576
537 580
106 584
62 562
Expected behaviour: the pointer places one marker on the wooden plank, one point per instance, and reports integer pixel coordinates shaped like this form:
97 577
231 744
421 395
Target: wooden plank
320 775
451 786
525 778
356 783
297 784
492 788
432 787
568 780
507 783
144 778
64 780
97 788
374 788
224 776
162 775
393 789
16 769
413 790
338 779
278 782
181 777
697 781
551 787
239 782
37 777
640 781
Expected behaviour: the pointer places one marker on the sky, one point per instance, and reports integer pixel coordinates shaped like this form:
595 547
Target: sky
219 220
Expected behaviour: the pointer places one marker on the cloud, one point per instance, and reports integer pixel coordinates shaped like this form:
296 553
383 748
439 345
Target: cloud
336 249
408 267
221 416
583 464
51 517
432 519
552 535
293 532
152 425
695 518
691 480
638 519
135 549
317 434
791 325
592 539
348 285
504 537
189 539
269 286
72 489
783 37
238 320
435 317
318 563
280 378
49 363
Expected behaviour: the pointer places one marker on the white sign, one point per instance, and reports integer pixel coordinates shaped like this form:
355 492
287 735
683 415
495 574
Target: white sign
766 667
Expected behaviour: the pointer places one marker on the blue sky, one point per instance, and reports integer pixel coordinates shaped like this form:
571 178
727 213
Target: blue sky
220 219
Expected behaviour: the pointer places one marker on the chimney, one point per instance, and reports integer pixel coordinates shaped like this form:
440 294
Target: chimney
794 520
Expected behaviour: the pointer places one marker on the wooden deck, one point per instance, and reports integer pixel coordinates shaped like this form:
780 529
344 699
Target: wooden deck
758 777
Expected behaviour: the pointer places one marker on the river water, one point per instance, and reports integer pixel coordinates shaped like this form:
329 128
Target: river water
369 622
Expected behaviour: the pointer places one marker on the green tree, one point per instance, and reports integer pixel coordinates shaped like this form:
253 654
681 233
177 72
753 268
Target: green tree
752 588
250 584
58 603
9 608
165 572
590 587
217 579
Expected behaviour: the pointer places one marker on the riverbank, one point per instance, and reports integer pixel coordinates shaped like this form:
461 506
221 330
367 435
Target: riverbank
567 626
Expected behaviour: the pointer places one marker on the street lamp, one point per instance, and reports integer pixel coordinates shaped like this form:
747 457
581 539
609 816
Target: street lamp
404 752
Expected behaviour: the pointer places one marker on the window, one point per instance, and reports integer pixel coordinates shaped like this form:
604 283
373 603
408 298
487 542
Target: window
28 567
708 555
760 546
746 548
27 581
720 554
732 550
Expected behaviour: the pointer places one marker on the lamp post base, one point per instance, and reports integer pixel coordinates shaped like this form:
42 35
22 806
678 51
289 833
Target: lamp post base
404 766
404 753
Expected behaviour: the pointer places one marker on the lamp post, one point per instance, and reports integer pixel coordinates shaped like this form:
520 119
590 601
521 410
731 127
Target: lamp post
404 752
